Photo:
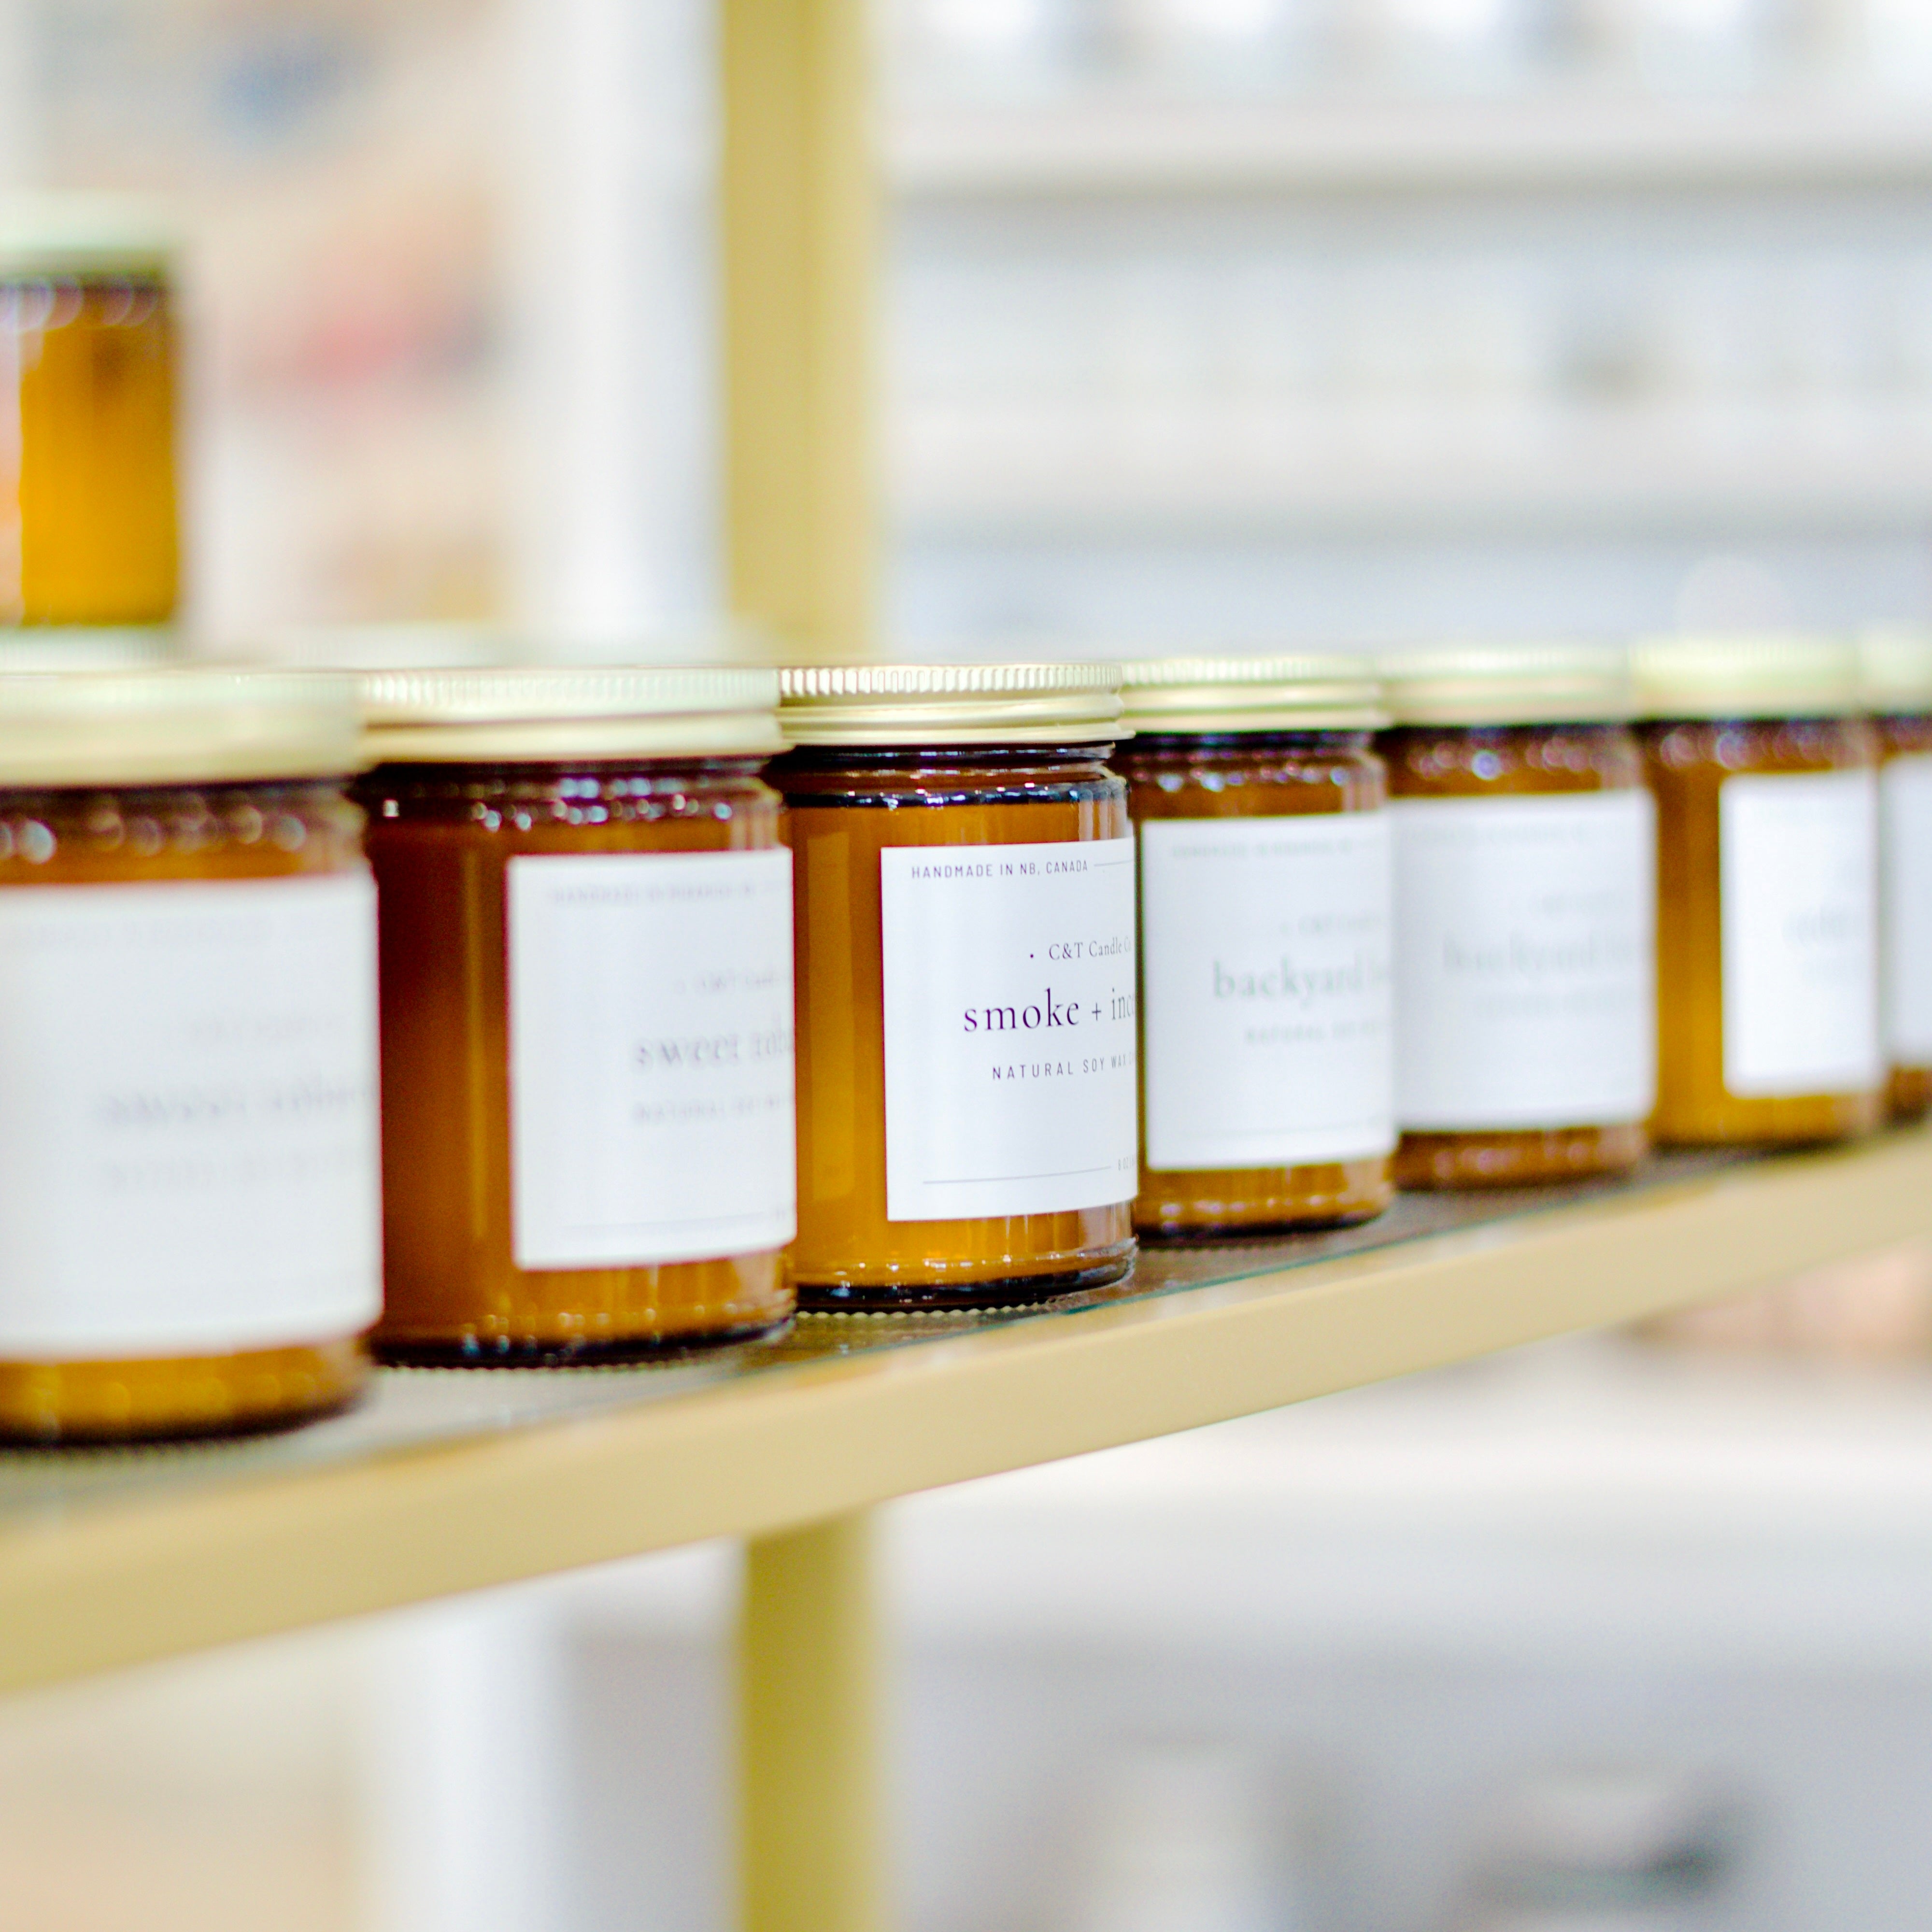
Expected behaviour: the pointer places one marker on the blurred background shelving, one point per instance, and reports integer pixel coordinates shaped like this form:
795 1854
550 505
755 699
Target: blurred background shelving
1319 320
1368 320
1172 144
446 271
1207 322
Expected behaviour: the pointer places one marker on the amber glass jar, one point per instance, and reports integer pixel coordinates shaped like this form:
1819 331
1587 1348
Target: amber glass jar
87 435
1895 671
586 928
1767 945
188 1228
1267 1026
1523 895
965 918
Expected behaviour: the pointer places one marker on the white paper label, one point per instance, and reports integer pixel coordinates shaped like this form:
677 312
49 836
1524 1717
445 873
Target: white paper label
188 1129
1524 962
1799 859
1267 1017
1905 905
650 1056
1009 999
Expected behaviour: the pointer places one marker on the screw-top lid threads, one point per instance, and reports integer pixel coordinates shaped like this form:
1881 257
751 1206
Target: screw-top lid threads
197 724
951 704
1895 669
536 715
1748 677
1229 695
1496 684
79 234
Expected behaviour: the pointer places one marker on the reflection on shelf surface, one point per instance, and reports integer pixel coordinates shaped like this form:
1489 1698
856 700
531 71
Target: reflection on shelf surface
413 1409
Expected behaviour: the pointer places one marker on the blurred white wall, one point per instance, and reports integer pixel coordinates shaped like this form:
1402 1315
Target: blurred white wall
1361 320
609 268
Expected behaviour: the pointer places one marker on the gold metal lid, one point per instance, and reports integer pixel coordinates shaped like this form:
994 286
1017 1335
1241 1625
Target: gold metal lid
536 714
1895 668
1748 677
87 647
83 234
1230 694
1502 684
951 704
190 724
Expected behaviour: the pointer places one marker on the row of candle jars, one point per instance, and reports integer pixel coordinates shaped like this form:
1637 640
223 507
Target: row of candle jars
937 996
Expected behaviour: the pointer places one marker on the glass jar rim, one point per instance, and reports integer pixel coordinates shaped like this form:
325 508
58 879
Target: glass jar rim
1163 738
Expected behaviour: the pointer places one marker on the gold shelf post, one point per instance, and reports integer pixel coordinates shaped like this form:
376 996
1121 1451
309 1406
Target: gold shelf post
798 194
809 1811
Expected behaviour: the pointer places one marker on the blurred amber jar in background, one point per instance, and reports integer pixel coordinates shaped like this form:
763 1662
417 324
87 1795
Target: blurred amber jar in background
966 990
1768 865
188 1227
88 359
1523 907
1266 1027
587 1000
1895 681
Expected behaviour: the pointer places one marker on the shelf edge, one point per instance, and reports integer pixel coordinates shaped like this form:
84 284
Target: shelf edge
124 1582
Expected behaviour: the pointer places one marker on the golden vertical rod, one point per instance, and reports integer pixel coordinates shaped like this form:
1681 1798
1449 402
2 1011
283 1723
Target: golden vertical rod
808 1813
799 195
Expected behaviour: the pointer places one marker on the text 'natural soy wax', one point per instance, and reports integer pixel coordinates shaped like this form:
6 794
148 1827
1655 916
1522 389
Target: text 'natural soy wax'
1525 846
1767 784
1266 994
587 1095
965 869
189 1224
